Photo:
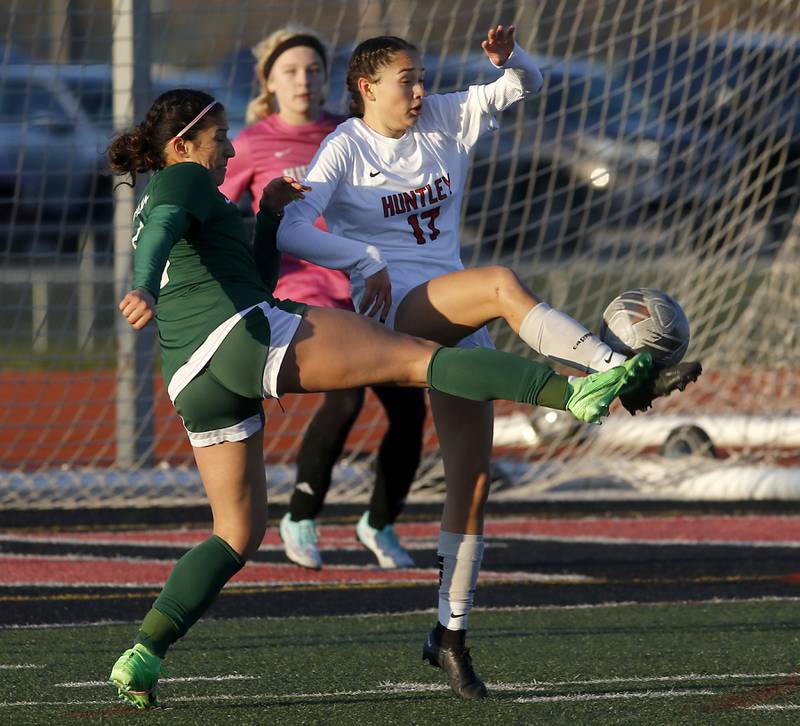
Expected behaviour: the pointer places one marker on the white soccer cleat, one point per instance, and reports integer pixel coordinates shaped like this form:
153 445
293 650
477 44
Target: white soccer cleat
301 542
383 543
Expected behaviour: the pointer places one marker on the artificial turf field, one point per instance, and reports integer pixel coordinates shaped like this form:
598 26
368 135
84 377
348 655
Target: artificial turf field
722 663
619 615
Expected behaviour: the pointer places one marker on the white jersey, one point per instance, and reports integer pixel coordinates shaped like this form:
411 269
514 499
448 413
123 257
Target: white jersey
397 202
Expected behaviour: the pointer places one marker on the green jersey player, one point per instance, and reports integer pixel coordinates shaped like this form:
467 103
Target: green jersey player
226 344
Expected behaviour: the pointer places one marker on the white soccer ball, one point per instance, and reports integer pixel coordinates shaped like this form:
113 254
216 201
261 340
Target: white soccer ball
649 320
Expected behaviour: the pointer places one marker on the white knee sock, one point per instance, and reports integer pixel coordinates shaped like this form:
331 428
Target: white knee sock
561 338
460 558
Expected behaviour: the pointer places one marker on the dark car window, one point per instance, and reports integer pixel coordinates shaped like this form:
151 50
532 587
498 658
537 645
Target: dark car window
697 79
94 97
24 99
589 99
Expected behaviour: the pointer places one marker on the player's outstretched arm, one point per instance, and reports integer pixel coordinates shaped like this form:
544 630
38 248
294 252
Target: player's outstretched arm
522 76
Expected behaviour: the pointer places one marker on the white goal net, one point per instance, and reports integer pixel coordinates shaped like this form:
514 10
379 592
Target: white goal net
663 151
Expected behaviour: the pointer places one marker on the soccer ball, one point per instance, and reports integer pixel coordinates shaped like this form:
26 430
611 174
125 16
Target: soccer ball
649 320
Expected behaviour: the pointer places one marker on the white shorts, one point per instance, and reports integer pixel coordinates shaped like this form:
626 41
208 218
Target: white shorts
479 339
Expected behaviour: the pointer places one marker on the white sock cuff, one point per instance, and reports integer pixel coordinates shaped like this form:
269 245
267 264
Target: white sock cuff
531 330
461 546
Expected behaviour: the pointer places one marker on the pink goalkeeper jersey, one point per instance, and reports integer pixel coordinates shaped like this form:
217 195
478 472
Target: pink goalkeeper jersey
272 148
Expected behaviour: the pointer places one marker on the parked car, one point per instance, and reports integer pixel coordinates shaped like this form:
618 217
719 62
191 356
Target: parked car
56 122
91 84
51 168
587 149
742 87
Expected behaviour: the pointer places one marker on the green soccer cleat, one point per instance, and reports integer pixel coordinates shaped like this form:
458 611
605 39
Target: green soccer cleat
591 396
135 675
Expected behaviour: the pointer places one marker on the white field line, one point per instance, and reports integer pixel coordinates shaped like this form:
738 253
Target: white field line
367 692
338 544
15 666
406 686
652 542
428 572
205 699
539 685
417 687
773 707
56 626
384 577
429 611
624 695
411 687
156 585
413 543
187 679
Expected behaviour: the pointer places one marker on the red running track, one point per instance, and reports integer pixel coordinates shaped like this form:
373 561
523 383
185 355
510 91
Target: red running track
146 572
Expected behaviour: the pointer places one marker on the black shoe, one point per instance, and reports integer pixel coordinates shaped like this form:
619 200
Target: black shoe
458 666
662 382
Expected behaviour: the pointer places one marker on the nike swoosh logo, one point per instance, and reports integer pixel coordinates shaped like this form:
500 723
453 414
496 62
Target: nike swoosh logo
453 615
282 153
374 173
610 355
305 487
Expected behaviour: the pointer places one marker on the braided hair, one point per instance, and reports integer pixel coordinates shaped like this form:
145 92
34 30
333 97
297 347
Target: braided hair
368 59
142 149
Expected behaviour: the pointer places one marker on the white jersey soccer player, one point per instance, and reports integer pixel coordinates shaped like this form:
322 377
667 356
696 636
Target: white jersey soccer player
389 184
397 202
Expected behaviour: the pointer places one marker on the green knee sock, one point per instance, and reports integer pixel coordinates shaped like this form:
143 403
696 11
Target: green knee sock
192 586
480 374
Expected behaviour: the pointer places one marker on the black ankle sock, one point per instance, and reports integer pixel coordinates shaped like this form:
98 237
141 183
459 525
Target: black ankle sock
447 638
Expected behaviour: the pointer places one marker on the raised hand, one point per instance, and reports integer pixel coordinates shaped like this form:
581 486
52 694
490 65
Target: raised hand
280 191
498 44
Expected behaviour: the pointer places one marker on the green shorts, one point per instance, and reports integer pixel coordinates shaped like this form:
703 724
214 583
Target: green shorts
223 401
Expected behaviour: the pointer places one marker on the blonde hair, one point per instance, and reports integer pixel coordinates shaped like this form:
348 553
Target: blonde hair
261 106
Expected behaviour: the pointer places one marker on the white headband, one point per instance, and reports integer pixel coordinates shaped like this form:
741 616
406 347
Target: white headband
195 120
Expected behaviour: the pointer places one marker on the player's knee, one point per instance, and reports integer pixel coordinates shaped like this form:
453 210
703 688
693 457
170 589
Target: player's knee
244 536
255 537
503 280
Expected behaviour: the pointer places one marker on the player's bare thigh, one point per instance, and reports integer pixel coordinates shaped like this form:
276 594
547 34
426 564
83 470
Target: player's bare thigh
450 307
335 349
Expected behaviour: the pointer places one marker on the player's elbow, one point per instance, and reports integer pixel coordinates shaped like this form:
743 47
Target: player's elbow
535 81
286 232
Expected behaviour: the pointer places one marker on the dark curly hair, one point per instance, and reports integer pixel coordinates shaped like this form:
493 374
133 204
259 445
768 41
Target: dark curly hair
367 61
142 149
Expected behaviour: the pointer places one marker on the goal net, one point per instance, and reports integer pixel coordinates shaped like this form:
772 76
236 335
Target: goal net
663 151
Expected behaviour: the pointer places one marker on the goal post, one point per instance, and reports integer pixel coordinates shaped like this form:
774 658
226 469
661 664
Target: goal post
663 151
131 91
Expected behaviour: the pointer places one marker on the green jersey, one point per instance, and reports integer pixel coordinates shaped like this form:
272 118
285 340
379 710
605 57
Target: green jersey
196 259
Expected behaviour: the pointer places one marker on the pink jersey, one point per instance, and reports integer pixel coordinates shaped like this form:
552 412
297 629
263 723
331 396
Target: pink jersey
272 148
